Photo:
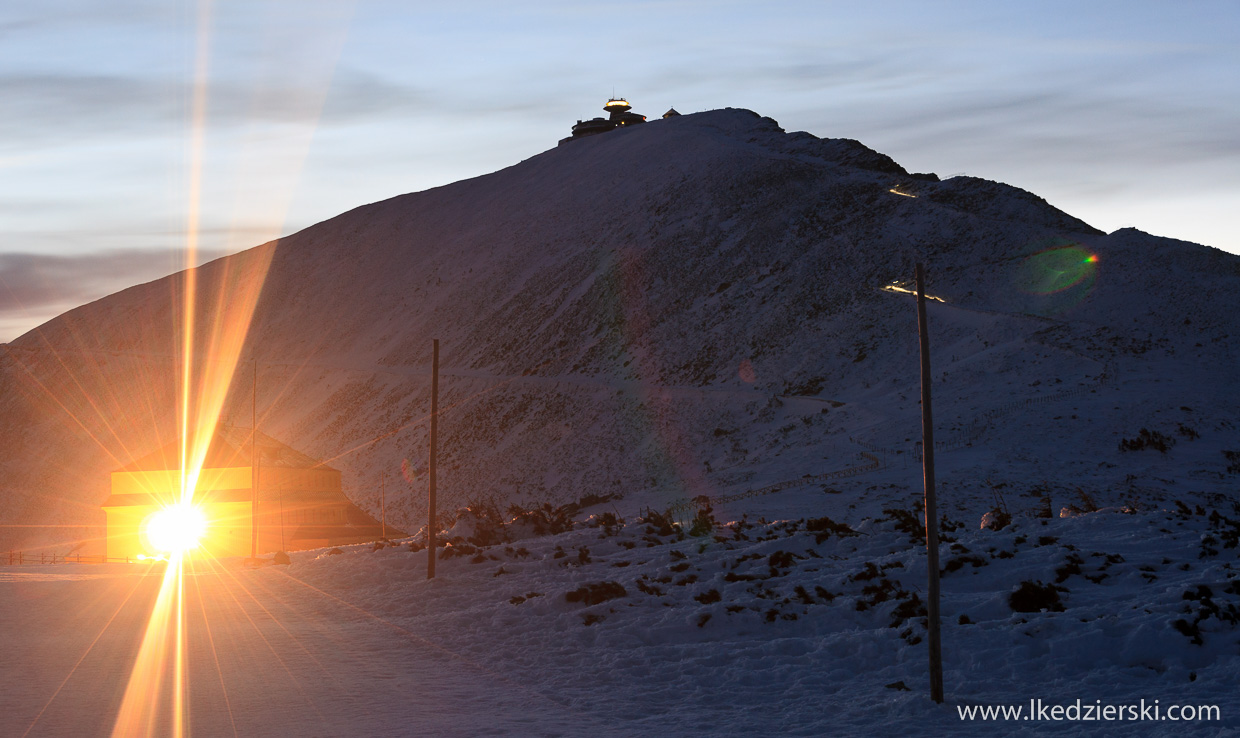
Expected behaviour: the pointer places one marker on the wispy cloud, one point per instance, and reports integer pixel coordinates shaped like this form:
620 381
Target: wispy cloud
36 287
1068 131
44 107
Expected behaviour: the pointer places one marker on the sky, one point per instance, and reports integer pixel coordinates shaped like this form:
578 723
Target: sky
125 125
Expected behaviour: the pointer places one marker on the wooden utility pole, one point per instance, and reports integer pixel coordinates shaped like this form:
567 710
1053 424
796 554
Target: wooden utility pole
932 517
430 523
254 462
280 489
383 505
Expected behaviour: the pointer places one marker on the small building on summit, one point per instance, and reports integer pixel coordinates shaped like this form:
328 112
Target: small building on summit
618 116
300 503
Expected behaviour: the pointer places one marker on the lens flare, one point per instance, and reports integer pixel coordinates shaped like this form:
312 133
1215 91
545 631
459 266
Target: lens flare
1057 276
1058 269
217 305
176 528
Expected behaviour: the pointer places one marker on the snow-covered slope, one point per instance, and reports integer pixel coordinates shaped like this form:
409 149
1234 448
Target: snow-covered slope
690 307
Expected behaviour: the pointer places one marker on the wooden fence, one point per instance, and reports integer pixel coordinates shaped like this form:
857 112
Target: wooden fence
16 558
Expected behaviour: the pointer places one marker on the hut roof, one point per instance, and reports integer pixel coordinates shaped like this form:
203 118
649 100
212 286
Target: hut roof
230 447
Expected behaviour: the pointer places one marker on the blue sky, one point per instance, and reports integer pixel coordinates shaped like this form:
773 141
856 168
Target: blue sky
1123 114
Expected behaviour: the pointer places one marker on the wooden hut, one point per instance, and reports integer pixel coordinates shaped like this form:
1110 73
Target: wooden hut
300 503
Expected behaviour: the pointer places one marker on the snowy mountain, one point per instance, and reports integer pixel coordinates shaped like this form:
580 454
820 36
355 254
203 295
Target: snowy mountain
697 306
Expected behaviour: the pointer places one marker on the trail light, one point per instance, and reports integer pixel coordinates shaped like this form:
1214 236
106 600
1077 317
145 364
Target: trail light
176 528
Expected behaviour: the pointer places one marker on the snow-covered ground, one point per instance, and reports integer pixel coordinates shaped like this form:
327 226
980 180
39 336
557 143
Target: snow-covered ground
800 627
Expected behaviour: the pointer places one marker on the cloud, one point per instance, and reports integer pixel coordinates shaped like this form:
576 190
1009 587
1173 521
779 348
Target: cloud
36 287
1074 133
43 108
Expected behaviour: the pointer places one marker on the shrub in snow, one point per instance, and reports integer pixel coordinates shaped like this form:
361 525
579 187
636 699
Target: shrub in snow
1146 438
518 599
912 607
649 589
661 524
907 522
1044 508
539 521
781 559
596 592
824 527
1070 567
996 520
1189 629
1087 505
869 572
1224 613
959 562
460 548
608 521
1036 597
879 592
704 522
479 523
1228 530
707 598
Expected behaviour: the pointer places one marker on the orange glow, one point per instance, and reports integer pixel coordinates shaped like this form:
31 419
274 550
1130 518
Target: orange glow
175 529
212 310
895 191
155 701
163 646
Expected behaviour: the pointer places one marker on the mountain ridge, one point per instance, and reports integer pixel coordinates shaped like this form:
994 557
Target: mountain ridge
606 306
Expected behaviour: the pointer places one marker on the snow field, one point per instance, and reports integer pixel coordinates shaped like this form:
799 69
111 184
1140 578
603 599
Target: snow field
776 629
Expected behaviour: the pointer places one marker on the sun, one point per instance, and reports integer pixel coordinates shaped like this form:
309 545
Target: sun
176 528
